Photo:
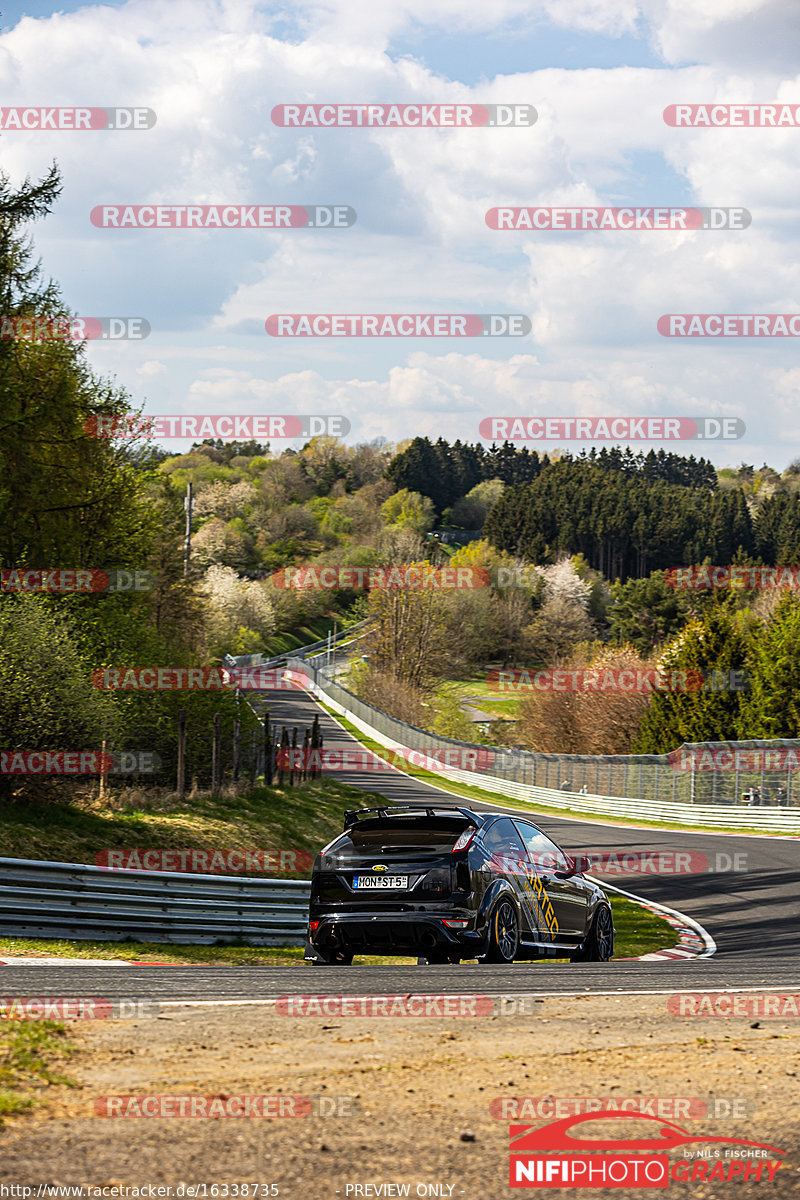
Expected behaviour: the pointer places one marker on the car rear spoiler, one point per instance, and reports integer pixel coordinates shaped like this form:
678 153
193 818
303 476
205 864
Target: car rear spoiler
353 815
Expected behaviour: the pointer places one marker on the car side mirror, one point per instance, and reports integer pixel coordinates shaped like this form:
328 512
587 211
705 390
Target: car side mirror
567 872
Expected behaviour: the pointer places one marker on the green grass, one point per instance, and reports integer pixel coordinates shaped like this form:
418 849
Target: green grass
638 931
475 690
304 635
304 818
29 1053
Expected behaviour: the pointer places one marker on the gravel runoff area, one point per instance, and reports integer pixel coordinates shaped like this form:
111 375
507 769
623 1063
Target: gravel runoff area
406 1100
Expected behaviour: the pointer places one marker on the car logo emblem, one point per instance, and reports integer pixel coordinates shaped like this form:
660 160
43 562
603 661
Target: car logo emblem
380 867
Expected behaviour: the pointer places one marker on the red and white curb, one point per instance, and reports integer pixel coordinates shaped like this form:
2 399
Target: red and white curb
693 940
690 944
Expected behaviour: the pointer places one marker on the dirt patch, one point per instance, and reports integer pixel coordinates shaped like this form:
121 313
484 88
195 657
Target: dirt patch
410 1097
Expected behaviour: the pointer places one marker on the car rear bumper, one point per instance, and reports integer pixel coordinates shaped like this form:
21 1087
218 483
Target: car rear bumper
395 933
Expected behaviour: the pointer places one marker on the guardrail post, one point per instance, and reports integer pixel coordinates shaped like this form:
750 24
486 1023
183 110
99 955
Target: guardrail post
316 744
269 767
306 748
181 781
236 742
284 745
103 771
216 756
253 759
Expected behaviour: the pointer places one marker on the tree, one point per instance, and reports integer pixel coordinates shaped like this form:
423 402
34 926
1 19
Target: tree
646 613
472 510
409 641
626 515
239 612
771 708
715 644
47 701
408 510
605 721
224 500
65 496
557 628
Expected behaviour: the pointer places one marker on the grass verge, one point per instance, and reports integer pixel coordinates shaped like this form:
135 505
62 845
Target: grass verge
300 818
30 1051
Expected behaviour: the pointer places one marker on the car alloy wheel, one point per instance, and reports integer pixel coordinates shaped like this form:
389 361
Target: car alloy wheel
503 933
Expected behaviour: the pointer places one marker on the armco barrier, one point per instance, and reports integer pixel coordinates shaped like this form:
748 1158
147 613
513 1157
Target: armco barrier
312 650
374 724
50 899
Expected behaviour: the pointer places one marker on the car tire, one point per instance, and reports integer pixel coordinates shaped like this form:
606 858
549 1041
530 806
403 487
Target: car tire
598 945
502 941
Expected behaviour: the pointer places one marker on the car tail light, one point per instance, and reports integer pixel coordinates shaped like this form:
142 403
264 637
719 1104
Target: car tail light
464 839
455 923
313 926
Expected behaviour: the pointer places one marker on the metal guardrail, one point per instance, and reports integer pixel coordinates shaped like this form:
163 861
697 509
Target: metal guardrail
52 899
302 652
396 735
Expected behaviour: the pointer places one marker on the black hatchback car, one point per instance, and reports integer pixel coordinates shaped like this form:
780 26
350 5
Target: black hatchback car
447 884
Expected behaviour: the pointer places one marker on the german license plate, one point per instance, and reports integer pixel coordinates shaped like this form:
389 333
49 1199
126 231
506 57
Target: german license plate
380 882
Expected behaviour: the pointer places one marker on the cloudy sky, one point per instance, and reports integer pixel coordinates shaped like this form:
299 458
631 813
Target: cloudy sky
599 73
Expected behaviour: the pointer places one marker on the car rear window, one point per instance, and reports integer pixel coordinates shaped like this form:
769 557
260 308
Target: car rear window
435 835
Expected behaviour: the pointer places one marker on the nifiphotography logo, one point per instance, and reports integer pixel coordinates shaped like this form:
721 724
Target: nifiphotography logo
552 1156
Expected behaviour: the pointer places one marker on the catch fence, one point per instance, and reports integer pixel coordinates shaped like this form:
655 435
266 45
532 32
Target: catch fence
763 774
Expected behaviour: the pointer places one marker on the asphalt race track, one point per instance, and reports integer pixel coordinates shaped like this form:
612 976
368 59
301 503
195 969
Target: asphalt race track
752 914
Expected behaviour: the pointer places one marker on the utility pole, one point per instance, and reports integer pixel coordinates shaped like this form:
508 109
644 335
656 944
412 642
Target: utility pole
187 504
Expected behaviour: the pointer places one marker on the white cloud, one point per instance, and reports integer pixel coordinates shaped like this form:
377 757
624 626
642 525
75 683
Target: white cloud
213 72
